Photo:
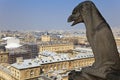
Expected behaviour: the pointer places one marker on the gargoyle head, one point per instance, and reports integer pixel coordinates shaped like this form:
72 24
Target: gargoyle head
75 17
78 12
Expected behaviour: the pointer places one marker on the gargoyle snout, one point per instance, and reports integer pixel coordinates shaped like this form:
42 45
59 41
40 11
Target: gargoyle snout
70 18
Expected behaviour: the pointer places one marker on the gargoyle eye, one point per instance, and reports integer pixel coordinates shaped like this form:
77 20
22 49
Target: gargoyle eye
74 12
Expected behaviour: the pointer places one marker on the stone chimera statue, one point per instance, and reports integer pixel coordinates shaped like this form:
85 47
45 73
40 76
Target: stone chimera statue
102 42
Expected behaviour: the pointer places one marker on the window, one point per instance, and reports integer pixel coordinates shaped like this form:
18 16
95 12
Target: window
31 73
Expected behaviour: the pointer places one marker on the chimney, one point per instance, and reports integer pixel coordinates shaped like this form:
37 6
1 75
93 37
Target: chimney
19 60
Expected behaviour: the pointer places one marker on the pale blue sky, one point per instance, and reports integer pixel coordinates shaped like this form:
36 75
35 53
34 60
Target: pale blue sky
50 14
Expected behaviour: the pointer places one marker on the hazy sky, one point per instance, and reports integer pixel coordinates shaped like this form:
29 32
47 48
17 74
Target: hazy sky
50 14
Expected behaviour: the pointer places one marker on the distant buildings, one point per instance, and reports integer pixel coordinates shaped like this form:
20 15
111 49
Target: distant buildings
24 63
55 46
39 55
45 38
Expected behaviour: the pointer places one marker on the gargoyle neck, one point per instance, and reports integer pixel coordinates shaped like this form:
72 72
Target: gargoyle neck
92 18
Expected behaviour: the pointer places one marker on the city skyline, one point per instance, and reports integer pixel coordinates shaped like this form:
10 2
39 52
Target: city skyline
49 15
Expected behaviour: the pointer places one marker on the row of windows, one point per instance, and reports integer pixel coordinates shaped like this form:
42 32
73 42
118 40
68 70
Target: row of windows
31 73
58 48
55 67
74 64
83 63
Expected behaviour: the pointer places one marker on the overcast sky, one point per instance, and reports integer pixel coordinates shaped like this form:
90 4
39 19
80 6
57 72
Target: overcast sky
50 14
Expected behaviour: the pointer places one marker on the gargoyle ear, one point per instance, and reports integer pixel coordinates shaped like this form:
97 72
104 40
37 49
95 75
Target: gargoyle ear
86 6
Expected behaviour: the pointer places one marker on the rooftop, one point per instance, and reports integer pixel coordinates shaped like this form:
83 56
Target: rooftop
48 53
83 50
28 63
49 59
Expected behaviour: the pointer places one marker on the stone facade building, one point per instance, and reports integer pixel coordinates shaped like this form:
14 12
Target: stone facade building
56 46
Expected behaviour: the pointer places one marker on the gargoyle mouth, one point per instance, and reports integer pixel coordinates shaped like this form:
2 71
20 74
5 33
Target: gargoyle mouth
74 22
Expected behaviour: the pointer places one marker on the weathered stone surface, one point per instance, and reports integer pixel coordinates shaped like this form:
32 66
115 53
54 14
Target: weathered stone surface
101 39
